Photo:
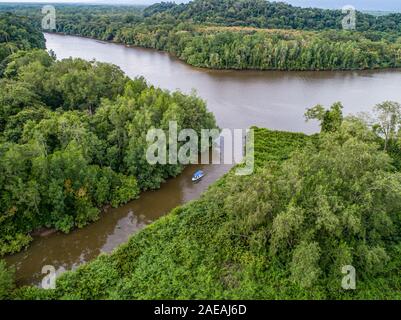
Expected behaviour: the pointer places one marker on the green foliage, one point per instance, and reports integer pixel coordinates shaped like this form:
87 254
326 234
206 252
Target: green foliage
279 147
68 146
388 118
305 264
32 293
6 281
227 34
247 48
73 139
17 33
283 233
330 120
70 84
267 14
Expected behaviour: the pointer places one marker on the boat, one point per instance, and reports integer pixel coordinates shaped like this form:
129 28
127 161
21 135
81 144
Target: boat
198 175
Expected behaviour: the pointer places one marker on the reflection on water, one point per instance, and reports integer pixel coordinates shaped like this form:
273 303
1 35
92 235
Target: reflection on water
240 99
275 100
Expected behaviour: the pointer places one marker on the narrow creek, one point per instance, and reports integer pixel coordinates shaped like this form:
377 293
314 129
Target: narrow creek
239 99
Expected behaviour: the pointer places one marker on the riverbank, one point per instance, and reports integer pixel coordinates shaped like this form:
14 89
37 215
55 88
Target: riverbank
223 48
114 227
67 165
158 241
238 99
262 236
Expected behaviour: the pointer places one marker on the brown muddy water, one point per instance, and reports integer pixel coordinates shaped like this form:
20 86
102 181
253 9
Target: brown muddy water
239 99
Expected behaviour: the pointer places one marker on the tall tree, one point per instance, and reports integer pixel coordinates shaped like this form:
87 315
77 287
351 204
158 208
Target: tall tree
388 117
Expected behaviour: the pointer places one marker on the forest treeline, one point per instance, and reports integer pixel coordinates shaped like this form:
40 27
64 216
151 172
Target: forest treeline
250 13
314 205
267 14
228 48
73 139
18 33
228 34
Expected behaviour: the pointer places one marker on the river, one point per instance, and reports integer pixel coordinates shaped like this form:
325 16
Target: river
239 99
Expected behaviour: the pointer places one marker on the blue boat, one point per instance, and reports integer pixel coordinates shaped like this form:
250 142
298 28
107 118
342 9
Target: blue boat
198 175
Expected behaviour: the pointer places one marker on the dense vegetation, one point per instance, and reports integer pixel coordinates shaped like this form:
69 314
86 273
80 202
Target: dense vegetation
315 204
73 139
228 48
267 14
228 34
17 33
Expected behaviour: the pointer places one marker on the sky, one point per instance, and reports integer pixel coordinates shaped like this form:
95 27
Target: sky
382 5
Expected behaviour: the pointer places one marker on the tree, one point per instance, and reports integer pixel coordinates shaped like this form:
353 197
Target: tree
72 139
294 225
330 120
6 280
388 117
340 208
185 32
305 264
